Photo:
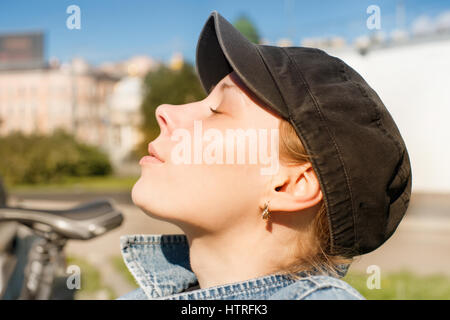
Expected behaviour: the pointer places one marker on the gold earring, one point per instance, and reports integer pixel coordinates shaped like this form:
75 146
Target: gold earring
266 213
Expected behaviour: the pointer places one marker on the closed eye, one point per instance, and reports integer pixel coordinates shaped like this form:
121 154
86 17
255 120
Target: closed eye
214 110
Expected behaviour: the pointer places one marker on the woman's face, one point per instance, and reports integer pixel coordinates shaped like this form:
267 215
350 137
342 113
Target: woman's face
199 183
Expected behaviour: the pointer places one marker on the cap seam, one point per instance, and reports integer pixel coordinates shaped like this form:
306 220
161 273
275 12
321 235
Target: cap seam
273 80
338 152
230 62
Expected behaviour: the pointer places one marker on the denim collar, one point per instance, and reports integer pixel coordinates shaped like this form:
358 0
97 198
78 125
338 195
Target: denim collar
160 265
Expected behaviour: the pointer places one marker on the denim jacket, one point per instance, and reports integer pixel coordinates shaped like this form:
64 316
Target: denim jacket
160 264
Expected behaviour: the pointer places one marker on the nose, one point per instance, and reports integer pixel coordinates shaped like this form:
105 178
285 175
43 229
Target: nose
164 118
170 117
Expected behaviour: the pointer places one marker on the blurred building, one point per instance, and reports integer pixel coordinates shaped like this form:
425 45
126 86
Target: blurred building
125 118
99 105
124 107
135 66
285 42
334 43
44 98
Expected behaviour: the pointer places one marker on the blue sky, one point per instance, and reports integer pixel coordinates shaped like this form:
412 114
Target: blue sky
113 30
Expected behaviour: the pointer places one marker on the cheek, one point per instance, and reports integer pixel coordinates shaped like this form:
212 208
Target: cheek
207 195
210 195
218 194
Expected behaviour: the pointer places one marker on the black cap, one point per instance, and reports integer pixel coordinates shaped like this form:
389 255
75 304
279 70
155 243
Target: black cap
361 160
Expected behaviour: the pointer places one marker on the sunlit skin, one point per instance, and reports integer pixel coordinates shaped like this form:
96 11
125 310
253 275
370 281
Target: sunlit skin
219 206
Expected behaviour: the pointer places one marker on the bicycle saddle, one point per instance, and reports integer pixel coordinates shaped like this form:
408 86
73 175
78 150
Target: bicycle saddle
82 222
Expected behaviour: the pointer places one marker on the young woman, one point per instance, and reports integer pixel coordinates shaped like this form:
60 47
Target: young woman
290 167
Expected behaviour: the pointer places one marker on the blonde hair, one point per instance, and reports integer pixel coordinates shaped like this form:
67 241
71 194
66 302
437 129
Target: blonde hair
318 256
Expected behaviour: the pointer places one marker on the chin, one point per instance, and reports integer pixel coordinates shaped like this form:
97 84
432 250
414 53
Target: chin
135 192
144 198
140 197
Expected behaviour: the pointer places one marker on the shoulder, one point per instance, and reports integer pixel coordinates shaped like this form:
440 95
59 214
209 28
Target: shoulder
318 288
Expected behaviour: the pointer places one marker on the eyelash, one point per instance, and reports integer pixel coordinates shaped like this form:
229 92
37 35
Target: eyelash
214 110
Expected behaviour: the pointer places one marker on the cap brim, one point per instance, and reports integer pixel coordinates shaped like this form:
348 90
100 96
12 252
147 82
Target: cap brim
221 49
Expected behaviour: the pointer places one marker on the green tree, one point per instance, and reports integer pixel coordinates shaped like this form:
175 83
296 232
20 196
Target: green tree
166 86
43 159
247 28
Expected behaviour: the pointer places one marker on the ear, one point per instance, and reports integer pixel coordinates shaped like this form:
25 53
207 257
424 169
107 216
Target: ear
294 188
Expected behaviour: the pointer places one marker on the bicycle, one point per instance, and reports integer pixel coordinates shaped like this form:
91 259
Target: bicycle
32 241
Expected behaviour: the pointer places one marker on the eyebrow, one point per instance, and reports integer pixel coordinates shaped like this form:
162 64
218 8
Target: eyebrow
224 86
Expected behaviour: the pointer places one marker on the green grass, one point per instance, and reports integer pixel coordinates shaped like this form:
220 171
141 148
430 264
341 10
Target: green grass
99 183
122 269
402 285
91 281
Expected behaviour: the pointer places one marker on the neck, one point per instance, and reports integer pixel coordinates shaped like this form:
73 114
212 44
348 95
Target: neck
240 254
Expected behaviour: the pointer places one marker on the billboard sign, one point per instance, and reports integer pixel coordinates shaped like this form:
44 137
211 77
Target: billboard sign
21 51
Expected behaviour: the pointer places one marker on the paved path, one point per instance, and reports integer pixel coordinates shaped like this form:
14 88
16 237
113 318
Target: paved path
419 244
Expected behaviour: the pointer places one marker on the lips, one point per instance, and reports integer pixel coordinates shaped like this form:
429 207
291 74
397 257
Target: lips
152 152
